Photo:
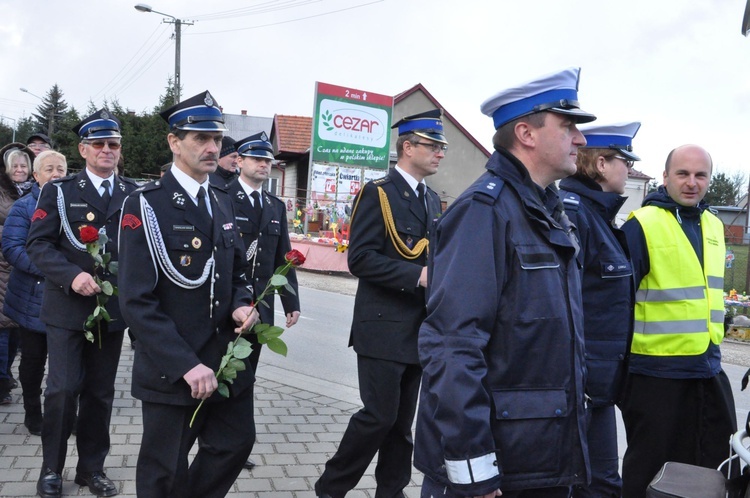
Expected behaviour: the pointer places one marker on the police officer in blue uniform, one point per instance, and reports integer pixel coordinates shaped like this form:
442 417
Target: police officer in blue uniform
502 403
592 197
261 220
183 294
391 223
78 367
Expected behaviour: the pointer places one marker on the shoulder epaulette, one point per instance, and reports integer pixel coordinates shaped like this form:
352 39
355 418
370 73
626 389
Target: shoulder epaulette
489 190
571 201
156 184
381 180
131 181
64 179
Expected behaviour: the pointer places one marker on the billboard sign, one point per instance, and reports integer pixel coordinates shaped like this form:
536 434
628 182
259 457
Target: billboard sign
351 127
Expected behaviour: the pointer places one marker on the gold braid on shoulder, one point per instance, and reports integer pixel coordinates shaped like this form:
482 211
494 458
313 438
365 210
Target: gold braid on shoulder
390 229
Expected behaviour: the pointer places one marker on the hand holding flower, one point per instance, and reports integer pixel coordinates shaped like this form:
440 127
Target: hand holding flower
245 317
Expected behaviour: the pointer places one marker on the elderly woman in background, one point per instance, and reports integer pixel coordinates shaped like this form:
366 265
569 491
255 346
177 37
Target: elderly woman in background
18 164
23 299
8 328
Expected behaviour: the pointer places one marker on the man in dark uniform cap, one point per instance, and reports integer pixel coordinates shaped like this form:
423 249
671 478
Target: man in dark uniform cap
261 220
78 367
501 409
226 171
183 293
388 252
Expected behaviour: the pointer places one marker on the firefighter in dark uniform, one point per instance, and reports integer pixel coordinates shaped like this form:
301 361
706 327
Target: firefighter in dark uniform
184 296
261 220
78 367
226 171
502 407
391 224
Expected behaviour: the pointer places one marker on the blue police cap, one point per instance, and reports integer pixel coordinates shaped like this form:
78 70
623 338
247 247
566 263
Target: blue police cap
556 92
255 146
101 124
618 136
198 113
425 124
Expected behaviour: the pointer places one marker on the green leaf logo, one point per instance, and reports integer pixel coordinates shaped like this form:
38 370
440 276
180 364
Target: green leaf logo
326 118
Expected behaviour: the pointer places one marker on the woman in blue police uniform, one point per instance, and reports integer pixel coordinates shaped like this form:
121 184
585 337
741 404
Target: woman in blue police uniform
77 367
592 197
183 294
391 224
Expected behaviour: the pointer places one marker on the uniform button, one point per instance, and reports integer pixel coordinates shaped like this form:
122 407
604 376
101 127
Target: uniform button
505 414
558 412
380 315
256 279
216 248
260 249
216 276
216 303
185 246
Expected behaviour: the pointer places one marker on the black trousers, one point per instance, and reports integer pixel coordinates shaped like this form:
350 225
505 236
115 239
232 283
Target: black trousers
225 432
433 489
78 368
31 369
389 394
678 420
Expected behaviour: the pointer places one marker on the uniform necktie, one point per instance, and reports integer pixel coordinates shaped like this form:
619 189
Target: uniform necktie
106 196
422 200
257 209
202 201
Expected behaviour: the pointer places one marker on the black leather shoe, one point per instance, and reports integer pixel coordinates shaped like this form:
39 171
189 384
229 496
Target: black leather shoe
98 483
35 428
250 464
49 484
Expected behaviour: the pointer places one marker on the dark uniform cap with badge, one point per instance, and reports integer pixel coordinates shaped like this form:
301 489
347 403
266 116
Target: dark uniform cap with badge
425 124
255 146
198 113
227 146
556 92
618 136
101 124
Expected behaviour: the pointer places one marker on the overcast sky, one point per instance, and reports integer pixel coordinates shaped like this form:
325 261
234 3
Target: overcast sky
681 67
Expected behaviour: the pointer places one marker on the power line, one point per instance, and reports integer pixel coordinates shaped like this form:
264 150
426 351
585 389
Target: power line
262 8
137 73
290 20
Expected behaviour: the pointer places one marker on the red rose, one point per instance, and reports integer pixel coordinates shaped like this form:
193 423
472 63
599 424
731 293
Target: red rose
89 234
295 257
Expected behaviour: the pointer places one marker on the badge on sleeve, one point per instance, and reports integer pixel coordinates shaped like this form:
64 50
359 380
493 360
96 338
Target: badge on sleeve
39 214
130 221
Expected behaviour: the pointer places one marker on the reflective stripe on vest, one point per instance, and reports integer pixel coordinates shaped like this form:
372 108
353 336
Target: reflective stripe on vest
679 306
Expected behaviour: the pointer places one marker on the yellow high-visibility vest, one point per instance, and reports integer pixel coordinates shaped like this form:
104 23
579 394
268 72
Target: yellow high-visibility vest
679 306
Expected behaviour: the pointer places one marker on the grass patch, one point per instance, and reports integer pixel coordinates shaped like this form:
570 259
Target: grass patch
736 276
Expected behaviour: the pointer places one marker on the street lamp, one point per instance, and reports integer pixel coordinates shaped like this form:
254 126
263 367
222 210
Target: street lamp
14 126
142 7
51 123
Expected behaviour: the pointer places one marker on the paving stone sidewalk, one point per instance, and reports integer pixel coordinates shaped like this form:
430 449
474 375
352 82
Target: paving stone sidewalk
299 425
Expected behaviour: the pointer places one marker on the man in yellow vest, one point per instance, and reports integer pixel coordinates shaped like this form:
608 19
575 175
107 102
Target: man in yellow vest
677 403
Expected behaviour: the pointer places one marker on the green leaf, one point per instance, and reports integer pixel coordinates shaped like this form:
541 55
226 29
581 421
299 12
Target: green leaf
278 280
290 289
107 288
224 360
113 267
260 327
98 259
92 249
223 390
115 292
229 349
242 351
97 311
238 364
273 332
277 346
106 257
229 372
105 314
103 239
89 336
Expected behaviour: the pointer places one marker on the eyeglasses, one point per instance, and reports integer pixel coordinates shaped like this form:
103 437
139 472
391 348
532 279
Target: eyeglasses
38 145
629 163
99 144
436 148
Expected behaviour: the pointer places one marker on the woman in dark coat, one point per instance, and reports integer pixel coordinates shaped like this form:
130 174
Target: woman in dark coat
592 197
14 153
23 299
